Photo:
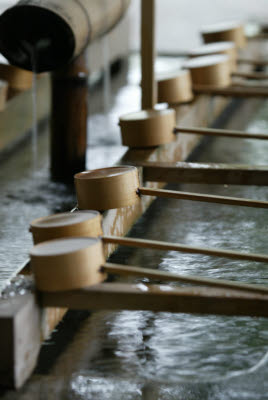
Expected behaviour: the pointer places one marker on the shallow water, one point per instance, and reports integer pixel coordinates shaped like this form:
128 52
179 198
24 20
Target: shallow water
145 355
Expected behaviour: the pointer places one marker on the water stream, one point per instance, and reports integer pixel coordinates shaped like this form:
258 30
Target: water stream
35 123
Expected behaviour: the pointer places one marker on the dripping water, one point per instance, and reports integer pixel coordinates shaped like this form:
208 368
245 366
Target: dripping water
106 77
32 54
34 110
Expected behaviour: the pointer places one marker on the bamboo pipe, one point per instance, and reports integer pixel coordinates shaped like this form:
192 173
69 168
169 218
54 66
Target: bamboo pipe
126 270
209 173
87 224
116 296
72 26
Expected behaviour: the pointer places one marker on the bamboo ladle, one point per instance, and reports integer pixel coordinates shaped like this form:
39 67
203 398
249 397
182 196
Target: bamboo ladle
150 127
69 273
72 226
88 224
229 49
116 187
232 31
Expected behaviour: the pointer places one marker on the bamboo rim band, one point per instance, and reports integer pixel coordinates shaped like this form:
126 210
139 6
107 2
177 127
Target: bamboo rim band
175 88
225 31
214 70
69 263
80 223
147 128
107 188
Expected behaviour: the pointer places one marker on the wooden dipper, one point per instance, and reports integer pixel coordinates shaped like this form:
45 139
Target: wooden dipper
57 246
214 70
210 74
79 223
68 263
225 31
117 187
147 128
175 88
227 48
107 188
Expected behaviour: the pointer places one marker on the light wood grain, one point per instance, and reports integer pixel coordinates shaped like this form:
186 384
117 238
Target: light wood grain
222 132
107 188
250 75
212 70
254 62
20 324
234 201
148 83
166 246
126 270
232 91
116 296
209 173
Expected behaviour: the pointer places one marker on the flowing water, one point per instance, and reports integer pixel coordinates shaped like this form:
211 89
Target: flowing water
35 125
147 355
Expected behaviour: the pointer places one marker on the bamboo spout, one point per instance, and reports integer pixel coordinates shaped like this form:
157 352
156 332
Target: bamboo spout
57 31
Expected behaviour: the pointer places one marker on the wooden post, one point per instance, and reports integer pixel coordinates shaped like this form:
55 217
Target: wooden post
69 120
20 325
148 83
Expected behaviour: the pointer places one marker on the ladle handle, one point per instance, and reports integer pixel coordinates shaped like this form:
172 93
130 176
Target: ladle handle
174 194
126 270
233 91
257 63
167 246
250 75
221 132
